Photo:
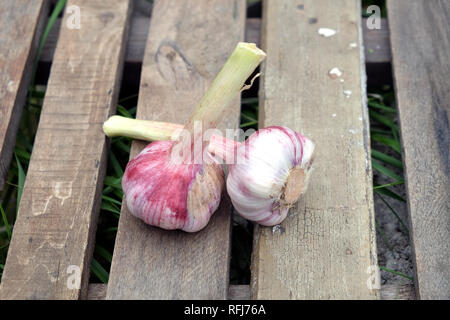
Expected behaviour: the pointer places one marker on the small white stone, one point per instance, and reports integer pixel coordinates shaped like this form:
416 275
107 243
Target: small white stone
347 93
335 73
334 115
353 45
326 32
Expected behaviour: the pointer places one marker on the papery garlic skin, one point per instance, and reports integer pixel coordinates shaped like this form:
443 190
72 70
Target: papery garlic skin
271 175
171 196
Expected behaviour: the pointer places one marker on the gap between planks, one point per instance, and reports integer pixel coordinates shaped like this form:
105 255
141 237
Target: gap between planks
376 42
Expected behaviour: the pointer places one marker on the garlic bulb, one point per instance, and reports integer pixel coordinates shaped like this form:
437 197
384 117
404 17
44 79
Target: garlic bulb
267 173
171 196
271 172
175 184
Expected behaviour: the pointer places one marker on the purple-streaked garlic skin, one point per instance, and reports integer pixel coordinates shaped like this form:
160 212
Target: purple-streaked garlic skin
169 195
270 174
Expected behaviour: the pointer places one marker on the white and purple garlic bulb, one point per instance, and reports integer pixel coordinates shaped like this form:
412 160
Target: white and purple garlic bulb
171 195
271 171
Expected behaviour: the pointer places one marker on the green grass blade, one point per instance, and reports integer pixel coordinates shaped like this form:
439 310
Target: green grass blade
383 236
389 185
21 182
99 271
108 207
385 171
387 159
113 182
249 100
102 252
387 141
396 273
128 98
124 112
5 222
115 164
389 193
23 154
381 107
248 124
106 198
395 214
383 120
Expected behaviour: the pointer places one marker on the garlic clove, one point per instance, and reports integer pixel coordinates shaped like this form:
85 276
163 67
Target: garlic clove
171 196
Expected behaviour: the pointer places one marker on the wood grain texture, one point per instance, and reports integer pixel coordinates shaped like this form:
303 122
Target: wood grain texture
183 55
57 218
420 40
377 48
376 42
328 242
97 291
21 27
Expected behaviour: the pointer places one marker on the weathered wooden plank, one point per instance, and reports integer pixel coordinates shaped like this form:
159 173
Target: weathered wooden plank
328 242
21 28
420 40
97 291
53 236
376 42
183 55
377 48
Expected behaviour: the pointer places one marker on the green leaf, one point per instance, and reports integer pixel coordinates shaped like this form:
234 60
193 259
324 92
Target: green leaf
5 222
128 98
395 214
389 185
111 229
387 159
109 207
381 107
387 141
389 193
248 116
383 120
99 271
122 146
23 154
116 165
109 199
251 100
385 171
21 182
113 182
383 236
248 124
103 253
124 112
396 273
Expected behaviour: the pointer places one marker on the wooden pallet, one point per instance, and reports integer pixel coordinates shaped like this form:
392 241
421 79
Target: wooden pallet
328 242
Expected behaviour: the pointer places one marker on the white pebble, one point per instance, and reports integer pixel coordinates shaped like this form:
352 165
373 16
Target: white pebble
347 93
326 32
335 73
